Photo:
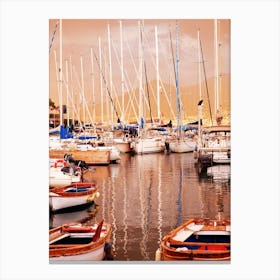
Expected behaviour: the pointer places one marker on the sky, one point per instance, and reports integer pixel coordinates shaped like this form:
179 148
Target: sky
80 36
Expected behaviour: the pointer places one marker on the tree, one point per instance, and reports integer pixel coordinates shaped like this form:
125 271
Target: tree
51 104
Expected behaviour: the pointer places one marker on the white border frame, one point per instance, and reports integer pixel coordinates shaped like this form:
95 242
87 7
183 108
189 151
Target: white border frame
255 130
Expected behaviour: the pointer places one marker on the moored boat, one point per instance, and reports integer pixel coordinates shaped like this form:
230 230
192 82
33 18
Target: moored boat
60 178
72 195
75 242
91 157
182 146
148 145
123 145
197 239
219 172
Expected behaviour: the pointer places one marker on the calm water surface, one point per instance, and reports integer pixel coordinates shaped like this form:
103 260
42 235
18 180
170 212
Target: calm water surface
146 196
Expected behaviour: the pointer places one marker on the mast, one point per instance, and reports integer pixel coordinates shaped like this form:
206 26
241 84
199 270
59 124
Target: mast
199 66
140 77
105 73
72 89
83 91
110 70
218 114
177 86
217 105
60 72
199 87
101 87
157 69
92 80
67 91
122 72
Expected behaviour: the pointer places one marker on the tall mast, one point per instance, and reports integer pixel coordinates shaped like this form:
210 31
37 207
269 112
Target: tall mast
60 72
101 87
83 92
67 91
157 68
217 105
199 87
92 80
110 70
122 73
72 89
177 86
199 64
140 75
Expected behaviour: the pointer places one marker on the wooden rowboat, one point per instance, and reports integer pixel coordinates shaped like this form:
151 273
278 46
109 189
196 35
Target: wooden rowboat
197 239
72 195
75 242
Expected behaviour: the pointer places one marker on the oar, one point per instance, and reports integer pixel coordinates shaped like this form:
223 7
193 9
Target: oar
96 236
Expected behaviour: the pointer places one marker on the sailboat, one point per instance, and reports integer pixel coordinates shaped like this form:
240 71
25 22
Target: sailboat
214 141
180 145
147 141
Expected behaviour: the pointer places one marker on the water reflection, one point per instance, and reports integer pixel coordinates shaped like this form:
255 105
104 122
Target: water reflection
146 196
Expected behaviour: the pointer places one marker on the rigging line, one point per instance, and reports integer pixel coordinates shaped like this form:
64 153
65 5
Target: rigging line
147 85
206 81
127 80
53 35
108 91
172 52
161 83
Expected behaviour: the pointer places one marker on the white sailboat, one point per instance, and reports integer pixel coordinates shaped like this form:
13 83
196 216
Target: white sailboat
145 143
214 141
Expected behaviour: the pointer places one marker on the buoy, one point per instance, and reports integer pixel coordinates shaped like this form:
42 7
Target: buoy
63 163
158 255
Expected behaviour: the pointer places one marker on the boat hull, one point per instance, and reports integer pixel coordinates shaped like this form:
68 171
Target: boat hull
59 198
124 147
86 249
201 240
91 157
97 254
59 178
182 147
148 146
219 172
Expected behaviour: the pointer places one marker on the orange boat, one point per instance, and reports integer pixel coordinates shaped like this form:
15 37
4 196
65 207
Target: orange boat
72 195
75 242
197 239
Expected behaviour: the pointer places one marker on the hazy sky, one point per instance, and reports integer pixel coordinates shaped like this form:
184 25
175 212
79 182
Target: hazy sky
79 36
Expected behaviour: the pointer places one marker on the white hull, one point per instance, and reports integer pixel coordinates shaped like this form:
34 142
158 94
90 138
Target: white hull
114 152
96 255
57 220
75 242
182 146
123 146
219 172
148 145
221 157
58 178
59 202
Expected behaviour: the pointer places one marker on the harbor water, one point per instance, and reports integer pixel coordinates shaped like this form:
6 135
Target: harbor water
144 197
